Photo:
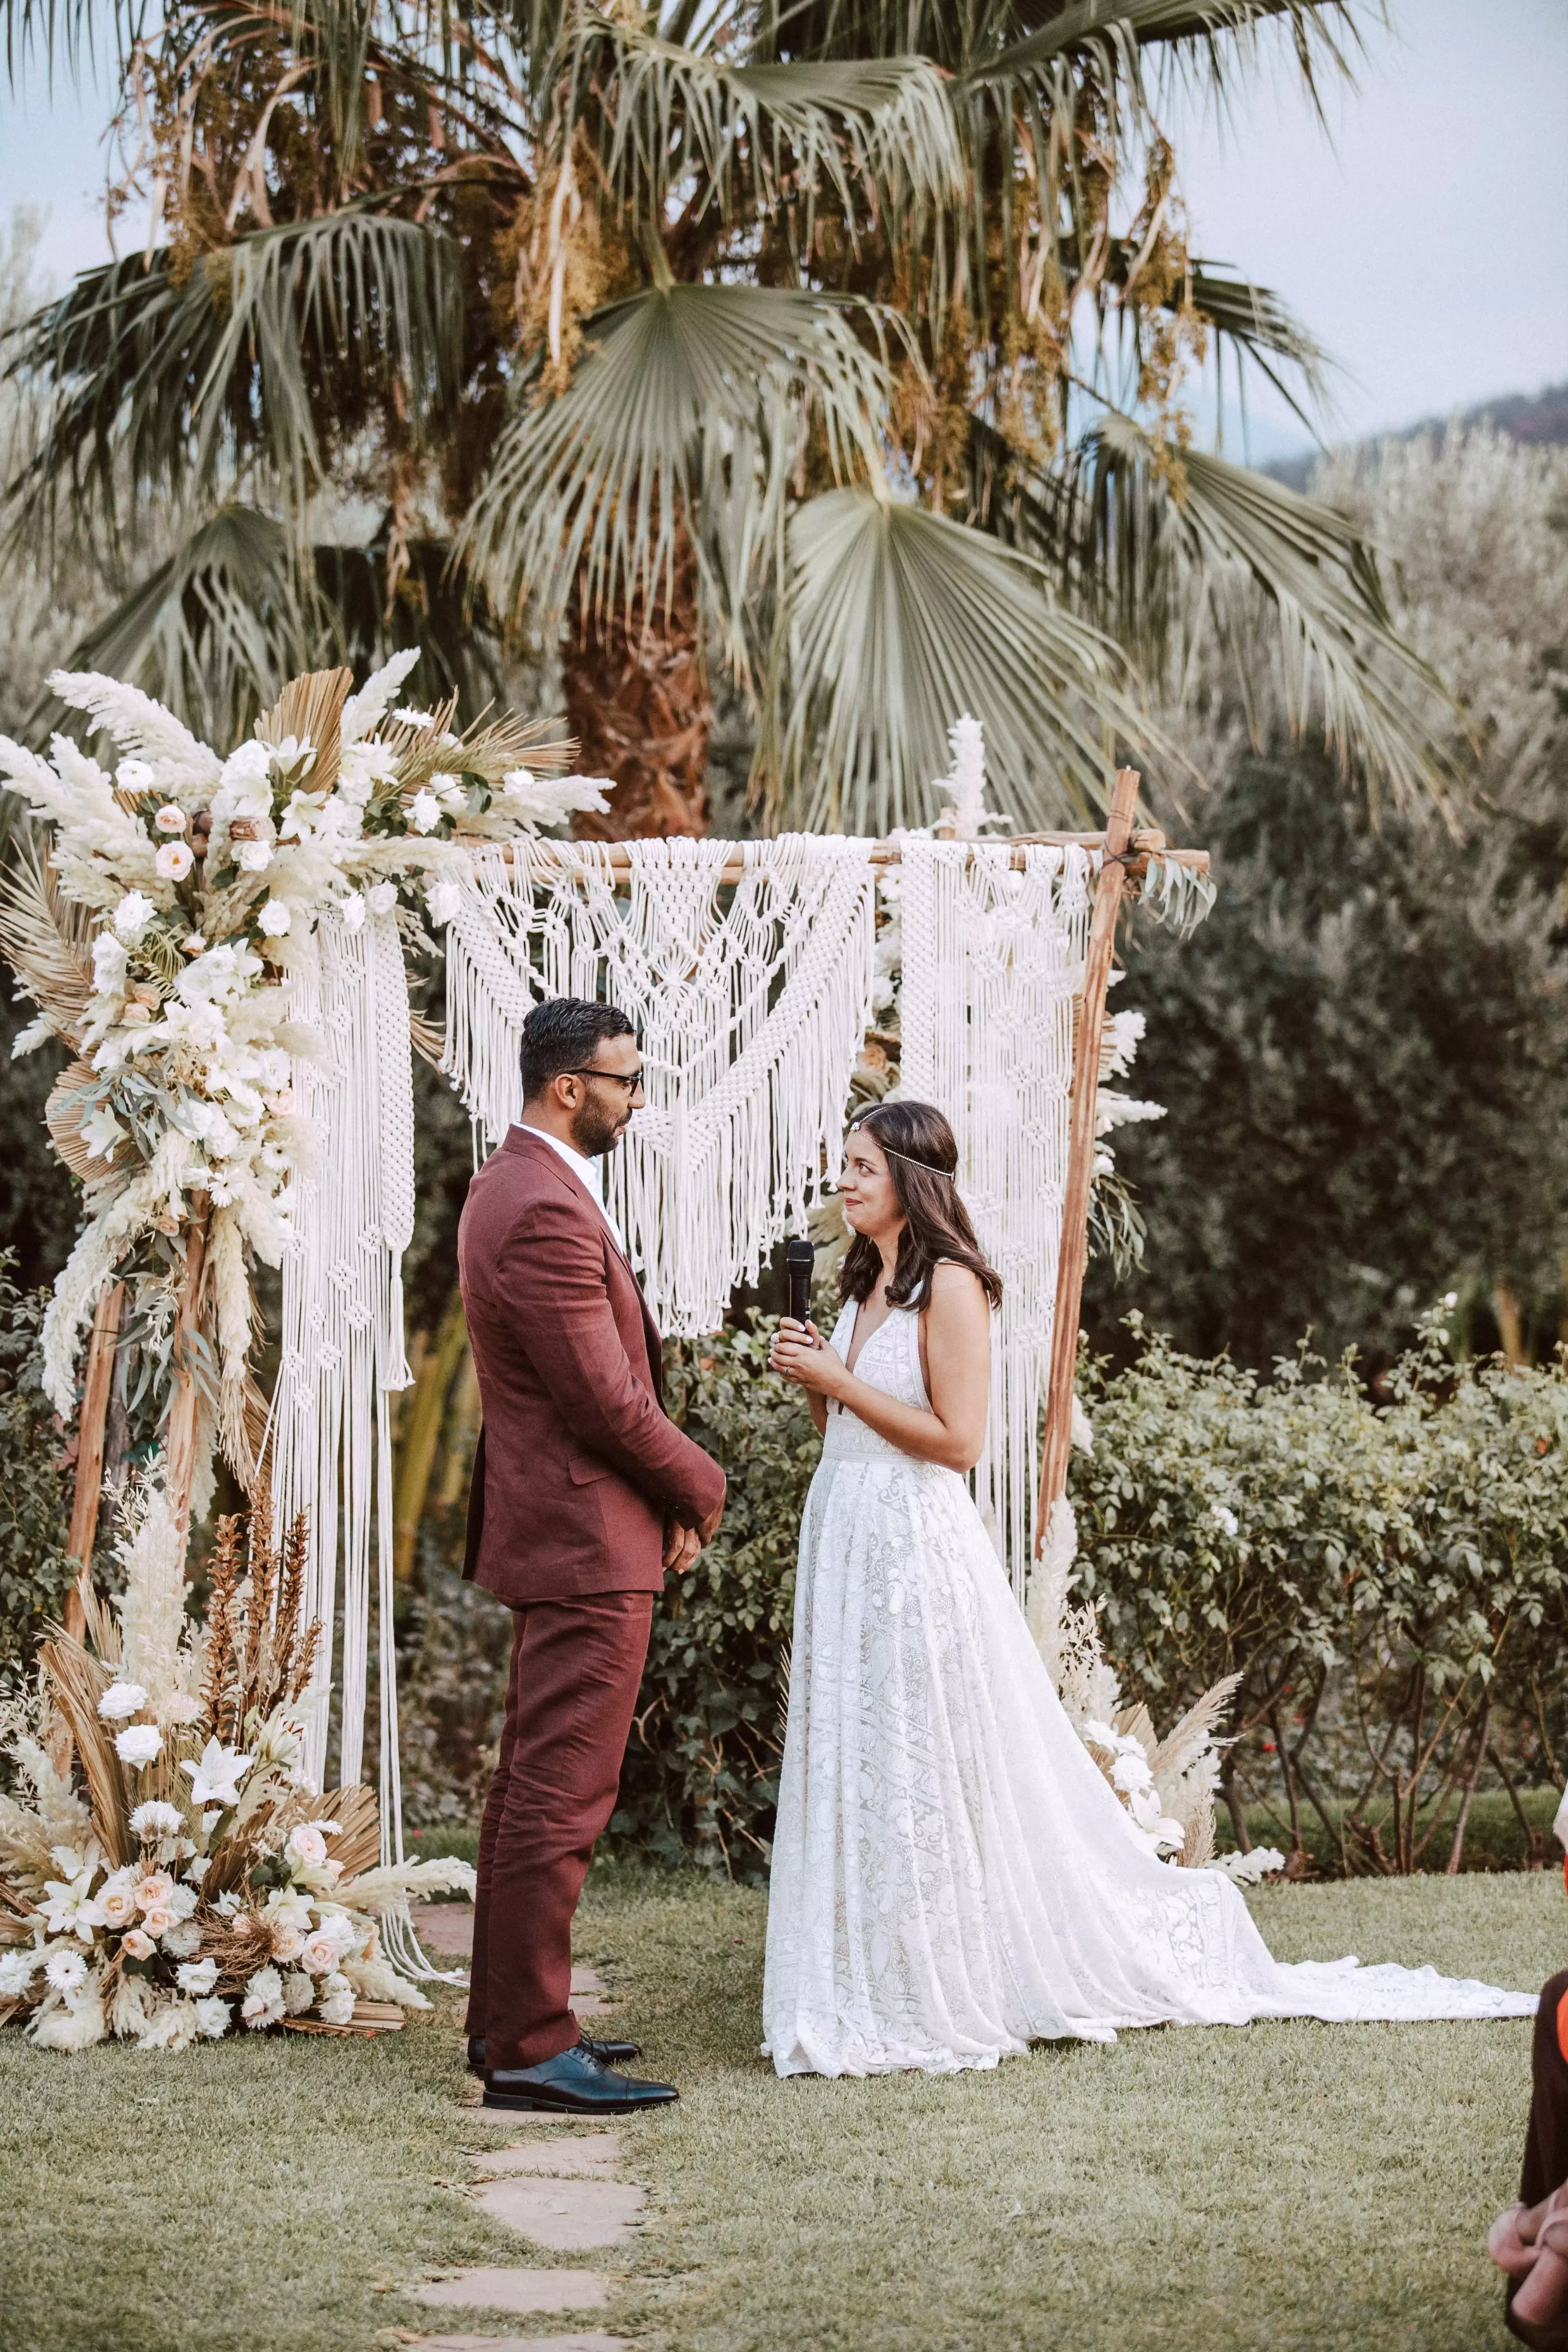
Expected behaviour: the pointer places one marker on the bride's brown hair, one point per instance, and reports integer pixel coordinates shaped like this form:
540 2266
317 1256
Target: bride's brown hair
922 1160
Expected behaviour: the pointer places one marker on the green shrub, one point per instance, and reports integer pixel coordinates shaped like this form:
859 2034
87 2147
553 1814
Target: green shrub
35 1485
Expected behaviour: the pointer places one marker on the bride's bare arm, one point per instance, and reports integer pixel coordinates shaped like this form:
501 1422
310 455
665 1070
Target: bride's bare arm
958 1375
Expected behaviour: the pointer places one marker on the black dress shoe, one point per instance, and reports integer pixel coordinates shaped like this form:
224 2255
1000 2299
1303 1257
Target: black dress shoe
574 2083
608 2053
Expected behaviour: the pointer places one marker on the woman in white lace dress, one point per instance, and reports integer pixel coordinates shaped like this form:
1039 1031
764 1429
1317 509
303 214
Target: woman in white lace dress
951 1877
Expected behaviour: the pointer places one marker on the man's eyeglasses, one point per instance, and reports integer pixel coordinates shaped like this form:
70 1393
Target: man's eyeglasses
619 1077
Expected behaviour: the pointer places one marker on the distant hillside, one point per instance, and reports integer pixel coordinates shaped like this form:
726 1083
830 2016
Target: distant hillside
1540 418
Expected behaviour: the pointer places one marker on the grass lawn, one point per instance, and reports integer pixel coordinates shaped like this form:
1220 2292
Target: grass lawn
1287 2187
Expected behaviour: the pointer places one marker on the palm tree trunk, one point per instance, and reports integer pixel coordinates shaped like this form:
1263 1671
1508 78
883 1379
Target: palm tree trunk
637 702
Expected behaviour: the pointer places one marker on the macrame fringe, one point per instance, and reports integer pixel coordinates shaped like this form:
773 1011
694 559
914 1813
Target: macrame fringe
750 1015
993 958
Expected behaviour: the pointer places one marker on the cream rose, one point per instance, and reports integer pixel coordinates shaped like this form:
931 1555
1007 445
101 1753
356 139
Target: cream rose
307 1844
153 1890
139 1943
117 1901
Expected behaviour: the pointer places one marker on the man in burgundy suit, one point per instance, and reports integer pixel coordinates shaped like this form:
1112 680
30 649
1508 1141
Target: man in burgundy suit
585 1492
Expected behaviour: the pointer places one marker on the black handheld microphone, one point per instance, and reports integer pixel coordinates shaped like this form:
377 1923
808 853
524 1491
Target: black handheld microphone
799 1259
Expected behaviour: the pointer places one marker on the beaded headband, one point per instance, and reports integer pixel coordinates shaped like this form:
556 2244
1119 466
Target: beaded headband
948 1174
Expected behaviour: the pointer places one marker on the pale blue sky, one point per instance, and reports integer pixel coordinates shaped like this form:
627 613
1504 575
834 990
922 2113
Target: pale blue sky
1429 251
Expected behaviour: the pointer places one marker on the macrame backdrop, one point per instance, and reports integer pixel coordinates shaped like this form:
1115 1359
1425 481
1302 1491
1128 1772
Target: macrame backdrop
992 959
750 1015
342 1324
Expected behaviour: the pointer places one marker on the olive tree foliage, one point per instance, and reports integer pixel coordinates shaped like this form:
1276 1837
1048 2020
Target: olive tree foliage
1364 1052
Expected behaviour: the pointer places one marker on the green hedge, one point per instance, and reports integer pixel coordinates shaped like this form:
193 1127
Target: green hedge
35 1485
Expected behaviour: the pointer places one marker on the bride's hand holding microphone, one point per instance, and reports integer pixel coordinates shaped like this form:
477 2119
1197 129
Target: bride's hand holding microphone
799 1353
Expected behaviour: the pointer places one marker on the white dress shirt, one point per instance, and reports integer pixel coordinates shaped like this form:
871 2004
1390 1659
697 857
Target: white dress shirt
588 1172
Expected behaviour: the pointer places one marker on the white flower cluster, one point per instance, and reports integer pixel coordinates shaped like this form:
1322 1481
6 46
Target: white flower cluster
1133 1781
207 877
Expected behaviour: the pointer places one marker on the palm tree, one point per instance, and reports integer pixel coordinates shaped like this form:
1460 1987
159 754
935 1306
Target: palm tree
834 344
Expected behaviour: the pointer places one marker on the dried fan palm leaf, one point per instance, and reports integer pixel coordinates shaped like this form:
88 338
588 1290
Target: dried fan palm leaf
63 1114
46 938
76 1684
427 1038
310 708
102 1624
358 1843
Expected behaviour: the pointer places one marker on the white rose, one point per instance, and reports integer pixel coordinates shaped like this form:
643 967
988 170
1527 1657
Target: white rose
381 898
443 899
321 1954
133 915
120 1700
287 1944
136 776
307 1844
192 945
275 919
253 857
66 1971
108 964
196 1976
213 2018
424 811
351 909
170 818
139 1743
117 1901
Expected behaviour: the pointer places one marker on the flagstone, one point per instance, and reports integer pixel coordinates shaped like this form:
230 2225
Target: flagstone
494 2289
565 2214
591 2155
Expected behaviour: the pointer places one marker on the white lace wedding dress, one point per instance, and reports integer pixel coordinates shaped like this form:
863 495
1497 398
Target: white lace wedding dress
951 1877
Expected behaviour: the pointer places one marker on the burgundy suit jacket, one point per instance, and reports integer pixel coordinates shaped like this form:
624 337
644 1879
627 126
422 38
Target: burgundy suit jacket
578 1465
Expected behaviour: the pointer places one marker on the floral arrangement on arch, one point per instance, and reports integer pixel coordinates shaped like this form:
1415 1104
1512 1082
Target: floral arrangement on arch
157 935
201 1884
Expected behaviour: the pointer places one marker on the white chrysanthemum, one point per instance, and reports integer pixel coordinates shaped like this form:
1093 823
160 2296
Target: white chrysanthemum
121 1700
213 2018
275 919
136 776
424 811
299 1992
196 1976
263 2002
17 1971
155 1819
337 2001
139 1745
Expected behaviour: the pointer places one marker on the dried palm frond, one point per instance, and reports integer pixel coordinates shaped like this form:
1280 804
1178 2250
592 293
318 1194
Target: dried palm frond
357 1844
310 709
224 1572
45 937
67 1107
427 1038
76 1684
102 1624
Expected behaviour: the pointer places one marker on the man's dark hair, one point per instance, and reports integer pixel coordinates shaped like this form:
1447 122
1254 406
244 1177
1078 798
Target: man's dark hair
565 1033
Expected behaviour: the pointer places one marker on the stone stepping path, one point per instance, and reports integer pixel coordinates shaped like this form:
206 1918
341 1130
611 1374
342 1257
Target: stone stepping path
565 2215
560 2193
597 2342
493 2289
594 2156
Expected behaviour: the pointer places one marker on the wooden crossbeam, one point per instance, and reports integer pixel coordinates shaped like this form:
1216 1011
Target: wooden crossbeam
1149 843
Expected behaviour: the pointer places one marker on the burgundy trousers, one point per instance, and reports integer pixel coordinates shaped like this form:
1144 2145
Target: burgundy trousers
575 1668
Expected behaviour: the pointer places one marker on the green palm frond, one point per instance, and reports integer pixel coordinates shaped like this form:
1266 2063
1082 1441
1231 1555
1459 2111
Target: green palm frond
683 415
1266 332
1166 542
878 130
896 621
256 357
1215 33
215 629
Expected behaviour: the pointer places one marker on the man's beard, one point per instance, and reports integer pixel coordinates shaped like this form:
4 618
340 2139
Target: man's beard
595 1131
